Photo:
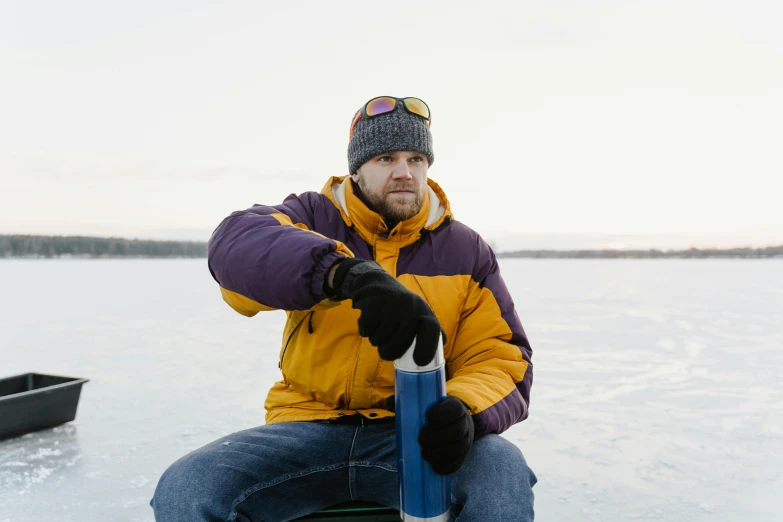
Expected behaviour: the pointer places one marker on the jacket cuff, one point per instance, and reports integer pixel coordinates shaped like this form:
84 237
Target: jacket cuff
321 272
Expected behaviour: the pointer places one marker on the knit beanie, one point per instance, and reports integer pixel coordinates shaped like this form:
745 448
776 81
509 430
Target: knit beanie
394 131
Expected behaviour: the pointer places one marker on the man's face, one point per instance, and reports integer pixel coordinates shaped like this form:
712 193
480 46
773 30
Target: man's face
394 184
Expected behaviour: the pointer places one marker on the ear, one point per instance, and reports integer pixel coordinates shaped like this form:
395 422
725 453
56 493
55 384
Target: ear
355 177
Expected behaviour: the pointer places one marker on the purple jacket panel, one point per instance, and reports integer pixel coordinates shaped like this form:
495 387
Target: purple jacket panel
457 249
250 249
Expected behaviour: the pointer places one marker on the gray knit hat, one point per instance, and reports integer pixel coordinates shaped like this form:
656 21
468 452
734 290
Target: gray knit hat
394 131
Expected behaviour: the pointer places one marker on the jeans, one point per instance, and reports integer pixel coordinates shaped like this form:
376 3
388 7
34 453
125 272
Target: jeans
286 470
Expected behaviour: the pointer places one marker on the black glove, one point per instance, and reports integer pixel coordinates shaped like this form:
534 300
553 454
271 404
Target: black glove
391 315
447 435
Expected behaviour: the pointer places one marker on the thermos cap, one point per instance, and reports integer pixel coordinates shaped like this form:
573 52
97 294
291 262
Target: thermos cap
407 364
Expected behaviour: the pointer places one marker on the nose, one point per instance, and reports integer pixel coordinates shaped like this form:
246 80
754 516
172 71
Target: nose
401 169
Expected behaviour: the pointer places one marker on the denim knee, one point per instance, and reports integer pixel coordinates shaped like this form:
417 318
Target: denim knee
188 491
507 460
495 483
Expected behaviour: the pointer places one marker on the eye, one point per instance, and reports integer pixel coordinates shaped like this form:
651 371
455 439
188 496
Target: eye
417 159
385 158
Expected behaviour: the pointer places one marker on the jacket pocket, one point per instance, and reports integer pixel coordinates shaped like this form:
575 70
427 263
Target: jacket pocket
299 320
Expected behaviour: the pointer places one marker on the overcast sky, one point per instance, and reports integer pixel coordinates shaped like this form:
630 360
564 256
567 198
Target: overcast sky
562 119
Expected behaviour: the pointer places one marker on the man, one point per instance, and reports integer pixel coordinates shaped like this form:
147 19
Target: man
362 268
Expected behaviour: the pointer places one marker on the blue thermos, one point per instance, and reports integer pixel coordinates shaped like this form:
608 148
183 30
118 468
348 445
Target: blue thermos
424 495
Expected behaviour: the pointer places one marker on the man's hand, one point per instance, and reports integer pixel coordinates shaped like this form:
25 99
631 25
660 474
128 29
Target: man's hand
447 435
391 315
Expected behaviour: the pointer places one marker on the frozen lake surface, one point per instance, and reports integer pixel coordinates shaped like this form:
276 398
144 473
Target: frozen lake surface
658 392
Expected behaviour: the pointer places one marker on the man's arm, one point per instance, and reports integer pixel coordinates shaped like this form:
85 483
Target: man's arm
490 363
267 258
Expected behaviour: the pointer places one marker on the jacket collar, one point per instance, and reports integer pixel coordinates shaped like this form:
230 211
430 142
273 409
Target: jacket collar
369 225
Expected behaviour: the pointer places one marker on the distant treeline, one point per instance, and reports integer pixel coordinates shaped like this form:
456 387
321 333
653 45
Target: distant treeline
691 253
96 247
100 247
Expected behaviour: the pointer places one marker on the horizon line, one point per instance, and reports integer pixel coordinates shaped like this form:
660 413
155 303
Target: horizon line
499 252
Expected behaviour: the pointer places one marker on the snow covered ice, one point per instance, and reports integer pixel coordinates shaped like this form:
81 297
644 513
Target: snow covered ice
658 386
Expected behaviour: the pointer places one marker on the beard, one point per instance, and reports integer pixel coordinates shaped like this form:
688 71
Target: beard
390 207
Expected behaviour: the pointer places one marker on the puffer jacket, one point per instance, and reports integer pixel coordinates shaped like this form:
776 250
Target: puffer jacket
276 257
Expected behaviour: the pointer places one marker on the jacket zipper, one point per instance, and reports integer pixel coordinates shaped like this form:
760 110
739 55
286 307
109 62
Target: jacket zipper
352 376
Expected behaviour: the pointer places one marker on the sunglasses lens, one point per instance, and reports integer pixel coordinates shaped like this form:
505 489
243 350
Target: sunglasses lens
416 106
380 106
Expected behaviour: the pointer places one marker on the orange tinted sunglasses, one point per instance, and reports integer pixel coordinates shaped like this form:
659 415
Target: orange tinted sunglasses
386 104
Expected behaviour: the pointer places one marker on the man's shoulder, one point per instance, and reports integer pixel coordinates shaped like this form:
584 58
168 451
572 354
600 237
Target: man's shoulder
462 236
312 202
453 249
309 197
466 240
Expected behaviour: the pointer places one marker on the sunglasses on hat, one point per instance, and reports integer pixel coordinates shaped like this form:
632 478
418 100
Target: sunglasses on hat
386 104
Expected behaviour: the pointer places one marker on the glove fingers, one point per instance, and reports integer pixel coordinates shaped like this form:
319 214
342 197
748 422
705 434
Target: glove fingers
391 315
427 333
370 318
384 333
456 451
446 467
447 435
399 343
450 434
446 412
